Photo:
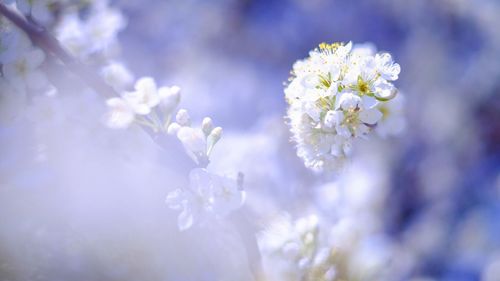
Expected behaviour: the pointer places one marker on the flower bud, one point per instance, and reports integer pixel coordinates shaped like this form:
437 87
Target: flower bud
183 118
207 126
213 138
216 134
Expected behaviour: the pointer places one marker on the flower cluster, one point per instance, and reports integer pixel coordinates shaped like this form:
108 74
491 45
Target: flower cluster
333 98
207 194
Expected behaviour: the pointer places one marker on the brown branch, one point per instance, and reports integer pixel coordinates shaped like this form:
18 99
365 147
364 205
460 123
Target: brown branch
43 39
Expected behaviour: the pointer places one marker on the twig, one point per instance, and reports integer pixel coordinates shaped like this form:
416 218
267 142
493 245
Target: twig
42 38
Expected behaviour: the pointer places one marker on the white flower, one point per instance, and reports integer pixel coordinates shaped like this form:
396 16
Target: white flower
333 97
207 195
386 67
120 114
195 143
25 69
117 75
145 96
182 117
94 35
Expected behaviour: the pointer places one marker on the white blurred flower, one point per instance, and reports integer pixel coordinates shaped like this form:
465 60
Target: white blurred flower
207 195
117 75
120 114
295 250
333 97
95 34
142 104
21 61
182 117
145 96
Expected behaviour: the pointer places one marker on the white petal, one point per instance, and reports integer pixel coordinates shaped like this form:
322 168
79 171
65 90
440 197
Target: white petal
369 102
370 116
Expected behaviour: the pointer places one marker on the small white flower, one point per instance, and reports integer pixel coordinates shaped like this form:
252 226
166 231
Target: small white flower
182 117
95 34
145 96
207 195
23 71
386 67
117 75
195 143
120 114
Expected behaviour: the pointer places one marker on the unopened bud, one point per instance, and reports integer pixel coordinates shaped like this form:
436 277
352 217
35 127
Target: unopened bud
216 134
183 118
207 126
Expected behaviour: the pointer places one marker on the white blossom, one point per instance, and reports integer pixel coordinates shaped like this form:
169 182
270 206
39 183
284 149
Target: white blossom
208 195
143 105
96 34
21 61
120 114
333 98
117 75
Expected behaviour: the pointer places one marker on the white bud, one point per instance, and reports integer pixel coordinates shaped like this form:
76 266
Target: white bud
213 138
216 134
173 128
183 118
207 125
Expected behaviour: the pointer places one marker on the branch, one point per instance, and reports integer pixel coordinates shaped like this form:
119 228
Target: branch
42 38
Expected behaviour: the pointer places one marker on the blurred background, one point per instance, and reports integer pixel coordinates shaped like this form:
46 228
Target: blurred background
81 202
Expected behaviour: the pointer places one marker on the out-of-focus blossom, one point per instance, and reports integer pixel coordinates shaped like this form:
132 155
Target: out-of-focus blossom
21 61
120 114
96 34
147 105
207 195
117 75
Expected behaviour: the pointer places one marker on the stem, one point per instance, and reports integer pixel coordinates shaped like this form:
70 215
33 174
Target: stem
42 38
